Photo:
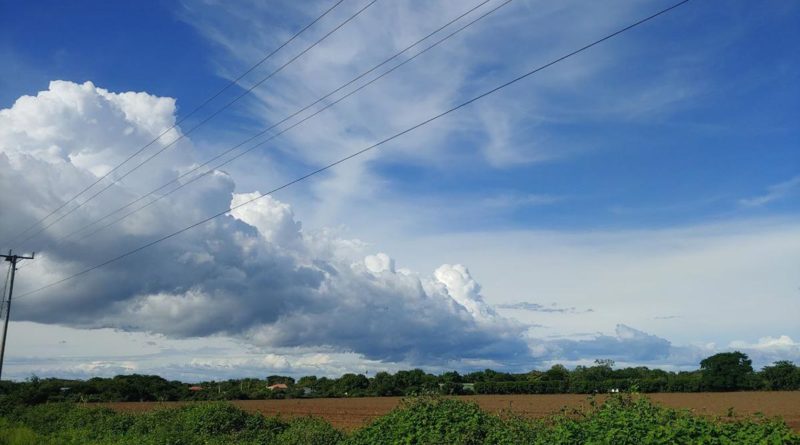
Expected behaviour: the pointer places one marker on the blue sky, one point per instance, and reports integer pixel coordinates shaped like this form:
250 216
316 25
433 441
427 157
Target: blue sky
130 46
631 172
727 132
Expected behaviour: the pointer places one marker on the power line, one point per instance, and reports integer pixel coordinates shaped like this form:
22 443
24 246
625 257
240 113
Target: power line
174 126
360 76
204 121
362 151
179 121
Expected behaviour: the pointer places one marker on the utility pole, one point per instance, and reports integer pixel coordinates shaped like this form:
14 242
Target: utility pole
13 259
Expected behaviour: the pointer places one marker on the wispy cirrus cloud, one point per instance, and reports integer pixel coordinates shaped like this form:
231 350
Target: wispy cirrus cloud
535 307
517 200
775 192
515 129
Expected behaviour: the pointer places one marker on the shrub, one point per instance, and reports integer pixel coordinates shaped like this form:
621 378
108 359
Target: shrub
626 419
309 431
17 435
428 421
210 419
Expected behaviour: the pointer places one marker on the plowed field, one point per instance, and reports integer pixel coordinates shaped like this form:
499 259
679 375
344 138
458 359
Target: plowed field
354 412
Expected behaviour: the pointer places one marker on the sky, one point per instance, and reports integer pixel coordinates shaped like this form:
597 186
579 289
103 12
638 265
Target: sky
638 201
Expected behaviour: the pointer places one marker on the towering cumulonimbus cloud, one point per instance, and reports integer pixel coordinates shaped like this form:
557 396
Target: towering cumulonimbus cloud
253 274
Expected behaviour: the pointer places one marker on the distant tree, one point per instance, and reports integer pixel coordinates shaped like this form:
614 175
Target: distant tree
532 375
410 382
450 377
324 387
685 381
782 375
727 371
604 362
275 379
602 370
307 381
556 373
450 383
352 384
383 384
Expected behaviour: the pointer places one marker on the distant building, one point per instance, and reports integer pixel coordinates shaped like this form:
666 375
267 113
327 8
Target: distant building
195 388
277 387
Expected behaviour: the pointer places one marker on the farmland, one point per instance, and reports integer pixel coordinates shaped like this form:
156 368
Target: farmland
617 419
351 413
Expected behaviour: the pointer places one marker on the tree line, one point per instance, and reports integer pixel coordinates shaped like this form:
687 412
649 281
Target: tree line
729 371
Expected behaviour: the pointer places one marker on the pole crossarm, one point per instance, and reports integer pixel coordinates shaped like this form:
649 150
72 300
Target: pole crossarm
14 258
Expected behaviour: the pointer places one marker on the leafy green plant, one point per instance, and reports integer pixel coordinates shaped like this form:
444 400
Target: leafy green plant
621 419
428 421
17 435
309 431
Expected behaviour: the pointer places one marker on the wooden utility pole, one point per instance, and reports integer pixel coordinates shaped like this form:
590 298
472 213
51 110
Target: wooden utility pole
13 259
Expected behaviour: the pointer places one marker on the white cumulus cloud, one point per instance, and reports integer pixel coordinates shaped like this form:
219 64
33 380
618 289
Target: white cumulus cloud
254 274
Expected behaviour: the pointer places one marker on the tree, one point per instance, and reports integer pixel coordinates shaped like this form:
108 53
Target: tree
410 382
450 383
383 384
727 371
556 373
604 362
782 375
324 387
275 379
602 370
352 384
450 377
307 381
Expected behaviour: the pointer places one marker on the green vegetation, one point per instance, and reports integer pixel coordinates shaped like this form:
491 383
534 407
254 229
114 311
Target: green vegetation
622 419
727 371
730 371
213 423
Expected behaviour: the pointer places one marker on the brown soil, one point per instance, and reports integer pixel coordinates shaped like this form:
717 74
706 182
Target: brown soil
354 412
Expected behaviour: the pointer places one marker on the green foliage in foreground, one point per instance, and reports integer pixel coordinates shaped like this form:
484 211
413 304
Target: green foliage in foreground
620 420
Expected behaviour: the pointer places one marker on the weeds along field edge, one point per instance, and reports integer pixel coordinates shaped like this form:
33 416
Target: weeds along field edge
621 419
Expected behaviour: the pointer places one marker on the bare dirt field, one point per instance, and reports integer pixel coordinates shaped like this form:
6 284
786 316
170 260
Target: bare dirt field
354 412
